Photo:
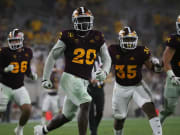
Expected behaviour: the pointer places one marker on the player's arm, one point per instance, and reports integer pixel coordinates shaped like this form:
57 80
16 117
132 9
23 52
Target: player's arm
54 54
106 60
167 57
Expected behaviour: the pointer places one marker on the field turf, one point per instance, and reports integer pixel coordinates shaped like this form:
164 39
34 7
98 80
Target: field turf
135 126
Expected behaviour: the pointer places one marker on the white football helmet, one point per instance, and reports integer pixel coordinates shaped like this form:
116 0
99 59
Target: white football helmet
178 25
15 39
82 19
128 38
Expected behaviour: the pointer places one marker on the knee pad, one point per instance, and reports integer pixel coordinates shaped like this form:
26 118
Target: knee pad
119 116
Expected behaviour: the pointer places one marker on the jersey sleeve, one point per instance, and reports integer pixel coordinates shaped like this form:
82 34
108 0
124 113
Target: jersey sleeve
146 53
171 42
63 36
100 37
110 49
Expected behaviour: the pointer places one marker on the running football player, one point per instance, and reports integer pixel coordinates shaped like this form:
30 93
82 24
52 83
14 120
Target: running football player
80 47
15 62
127 60
171 60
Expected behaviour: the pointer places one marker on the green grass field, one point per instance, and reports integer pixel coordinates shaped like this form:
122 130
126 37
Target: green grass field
139 126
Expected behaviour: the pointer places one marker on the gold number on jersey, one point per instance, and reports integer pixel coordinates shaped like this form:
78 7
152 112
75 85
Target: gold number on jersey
19 67
80 53
131 71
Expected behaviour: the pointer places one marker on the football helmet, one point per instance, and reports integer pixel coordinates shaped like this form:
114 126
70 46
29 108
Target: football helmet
178 25
82 19
128 38
15 39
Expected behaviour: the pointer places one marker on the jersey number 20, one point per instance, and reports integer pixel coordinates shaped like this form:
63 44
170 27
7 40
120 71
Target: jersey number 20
80 53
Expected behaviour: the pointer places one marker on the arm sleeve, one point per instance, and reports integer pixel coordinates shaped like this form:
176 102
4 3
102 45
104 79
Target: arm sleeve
54 54
106 59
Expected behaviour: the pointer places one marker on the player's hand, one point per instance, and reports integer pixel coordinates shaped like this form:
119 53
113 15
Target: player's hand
174 79
46 84
9 68
158 66
100 75
34 76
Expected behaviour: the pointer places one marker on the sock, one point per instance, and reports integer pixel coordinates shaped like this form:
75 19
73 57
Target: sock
20 127
118 132
45 130
43 120
156 126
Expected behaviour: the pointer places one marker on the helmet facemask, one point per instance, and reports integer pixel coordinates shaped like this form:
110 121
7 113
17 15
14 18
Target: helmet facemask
15 41
178 25
83 23
128 42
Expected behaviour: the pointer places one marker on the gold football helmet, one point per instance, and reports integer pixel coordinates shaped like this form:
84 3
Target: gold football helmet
82 19
15 39
128 38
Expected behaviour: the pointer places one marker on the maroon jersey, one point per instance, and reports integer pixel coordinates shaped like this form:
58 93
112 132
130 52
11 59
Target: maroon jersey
20 60
174 42
128 64
81 52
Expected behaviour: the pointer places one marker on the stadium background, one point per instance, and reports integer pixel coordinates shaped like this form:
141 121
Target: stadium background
42 20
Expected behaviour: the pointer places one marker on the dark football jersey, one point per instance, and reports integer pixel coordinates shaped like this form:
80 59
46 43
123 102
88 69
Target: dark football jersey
174 42
128 64
20 60
80 52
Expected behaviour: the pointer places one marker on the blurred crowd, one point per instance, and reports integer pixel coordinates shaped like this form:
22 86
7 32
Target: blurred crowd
42 20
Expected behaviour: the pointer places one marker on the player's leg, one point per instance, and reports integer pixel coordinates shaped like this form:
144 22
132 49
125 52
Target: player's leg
69 110
22 98
5 96
99 105
76 90
171 95
83 118
120 100
91 91
142 98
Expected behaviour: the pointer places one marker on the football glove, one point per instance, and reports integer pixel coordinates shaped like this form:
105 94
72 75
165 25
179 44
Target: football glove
100 75
157 66
9 68
174 79
46 84
34 76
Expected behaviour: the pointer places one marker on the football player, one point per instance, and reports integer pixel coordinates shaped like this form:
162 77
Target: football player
15 62
80 47
127 60
171 60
